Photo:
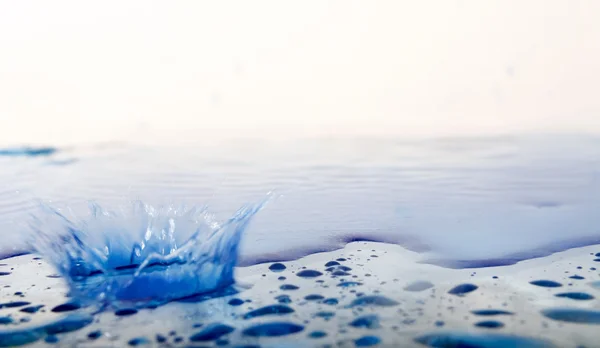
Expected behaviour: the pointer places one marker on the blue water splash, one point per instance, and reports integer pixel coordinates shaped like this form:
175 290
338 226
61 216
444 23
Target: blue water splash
141 254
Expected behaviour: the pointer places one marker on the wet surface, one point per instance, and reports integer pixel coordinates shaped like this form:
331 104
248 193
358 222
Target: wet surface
381 309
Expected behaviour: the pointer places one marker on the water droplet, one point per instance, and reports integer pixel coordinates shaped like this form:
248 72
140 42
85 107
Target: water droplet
367 341
314 297
373 300
366 321
573 315
546 283
277 267
491 312
268 310
462 289
581 296
66 307
309 273
464 339
273 329
317 334
490 324
212 332
138 341
235 302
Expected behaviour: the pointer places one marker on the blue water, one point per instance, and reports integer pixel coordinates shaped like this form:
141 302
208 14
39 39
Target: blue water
139 254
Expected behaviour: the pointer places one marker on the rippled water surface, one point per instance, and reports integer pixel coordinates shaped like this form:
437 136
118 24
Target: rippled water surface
481 208
481 200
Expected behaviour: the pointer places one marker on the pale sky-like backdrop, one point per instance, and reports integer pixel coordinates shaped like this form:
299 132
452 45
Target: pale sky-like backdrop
97 71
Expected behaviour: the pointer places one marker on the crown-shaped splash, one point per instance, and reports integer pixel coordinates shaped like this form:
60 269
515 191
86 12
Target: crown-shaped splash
140 254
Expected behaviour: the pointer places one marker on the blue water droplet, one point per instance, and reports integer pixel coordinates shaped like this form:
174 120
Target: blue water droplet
491 312
463 289
277 267
32 309
268 310
138 341
366 321
51 339
373 300
479 340
578 277
349 284
439 323
235 302
125 312
331 301
417 286
273 329
573 315
14 304
367 341
331 263
546 283
314 297
212 332
309 273
317 334
325 315
4 274
6 320
340 274
66 307
581 296
283 299
490 324
289 287
94 335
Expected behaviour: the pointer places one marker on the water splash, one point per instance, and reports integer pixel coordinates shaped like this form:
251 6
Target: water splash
141 254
